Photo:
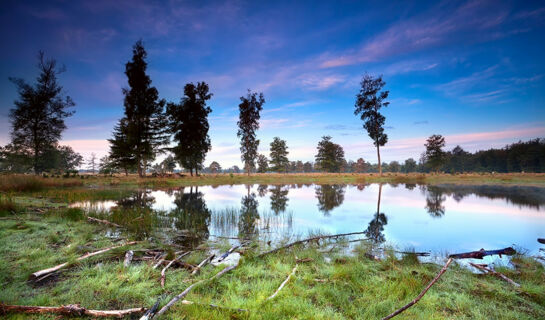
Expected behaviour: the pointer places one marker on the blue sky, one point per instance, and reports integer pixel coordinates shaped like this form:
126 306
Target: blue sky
472 71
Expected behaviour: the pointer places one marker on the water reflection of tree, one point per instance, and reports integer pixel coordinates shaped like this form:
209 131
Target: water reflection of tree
376 226
139 199
434 202
191 214
262 190
279 199
247 224
329 196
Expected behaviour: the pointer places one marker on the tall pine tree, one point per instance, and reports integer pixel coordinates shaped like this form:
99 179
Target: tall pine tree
143 126
189 124
248 123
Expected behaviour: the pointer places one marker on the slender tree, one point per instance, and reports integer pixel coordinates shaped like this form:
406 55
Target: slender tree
146 129
279 155
330 155
369 101
248 123
38 116
435 155
262 164
92 162
189 124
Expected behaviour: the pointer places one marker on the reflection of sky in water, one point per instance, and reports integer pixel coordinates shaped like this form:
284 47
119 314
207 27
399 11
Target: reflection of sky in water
472 223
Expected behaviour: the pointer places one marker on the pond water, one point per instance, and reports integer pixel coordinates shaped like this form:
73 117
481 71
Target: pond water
438 219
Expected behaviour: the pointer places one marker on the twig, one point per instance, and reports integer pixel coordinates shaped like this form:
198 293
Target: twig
104 222
40 273
495 273
160 261
308 240
203 263
70 310
410 304
188 289
283 283
163 272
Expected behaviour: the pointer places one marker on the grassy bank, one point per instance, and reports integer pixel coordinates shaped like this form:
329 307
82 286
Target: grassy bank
331 286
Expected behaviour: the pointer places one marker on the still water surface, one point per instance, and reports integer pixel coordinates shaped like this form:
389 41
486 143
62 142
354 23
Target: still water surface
437 219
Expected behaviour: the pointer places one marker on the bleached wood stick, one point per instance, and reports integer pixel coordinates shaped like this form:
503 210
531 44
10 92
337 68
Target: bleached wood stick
283 283
128 258
203 263
495 273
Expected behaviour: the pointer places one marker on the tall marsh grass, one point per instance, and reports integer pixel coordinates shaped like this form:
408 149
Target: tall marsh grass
31 183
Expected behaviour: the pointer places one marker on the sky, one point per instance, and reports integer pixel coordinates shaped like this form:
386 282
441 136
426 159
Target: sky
472 71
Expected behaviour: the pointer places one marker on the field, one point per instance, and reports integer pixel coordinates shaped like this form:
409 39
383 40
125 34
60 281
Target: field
38 231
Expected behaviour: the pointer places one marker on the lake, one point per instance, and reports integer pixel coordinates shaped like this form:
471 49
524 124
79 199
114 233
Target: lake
438 219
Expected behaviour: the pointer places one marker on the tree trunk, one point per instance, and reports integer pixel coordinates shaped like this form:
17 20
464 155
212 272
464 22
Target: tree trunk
126 172
379 162
379 195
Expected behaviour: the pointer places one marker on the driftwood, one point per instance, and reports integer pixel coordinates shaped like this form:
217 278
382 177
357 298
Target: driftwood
151 312
410 304
187 302
283 283
41 273
540 240
495 273
226 254
482 253
163 272
307 240
161 260
188 289
70 310
202 264
128 258
104 222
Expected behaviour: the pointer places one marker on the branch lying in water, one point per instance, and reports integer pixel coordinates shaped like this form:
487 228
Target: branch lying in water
482 253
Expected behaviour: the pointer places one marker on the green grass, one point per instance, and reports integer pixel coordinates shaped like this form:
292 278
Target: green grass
354 287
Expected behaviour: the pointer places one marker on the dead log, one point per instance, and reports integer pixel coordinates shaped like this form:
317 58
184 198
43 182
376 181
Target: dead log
41 273
483 253
203 263
283 283
128 258
495 273
410 304
540 240
163 272
188 289
104 222
70 310
308 240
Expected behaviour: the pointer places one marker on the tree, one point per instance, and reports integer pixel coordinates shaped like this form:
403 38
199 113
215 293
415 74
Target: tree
37 119
235 169
248 123
189 124
409 166
214 167
360 166
60 158
394 166
299 166
330 155
145 127
92 162
279 155
121 152
435 155
12 159
369 101
262 164
169 164
106 165
307 166
279 199
329 196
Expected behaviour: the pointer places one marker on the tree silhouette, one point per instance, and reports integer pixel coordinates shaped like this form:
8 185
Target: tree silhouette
376 225
189 124
435 156
192 214
330 155
369 101
279 155
248 215
121 151
248 123
38 116
329 196
279 199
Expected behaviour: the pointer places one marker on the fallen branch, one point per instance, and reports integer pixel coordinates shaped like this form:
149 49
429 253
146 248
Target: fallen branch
482 253
226 254
410 304
160 261
203 263
104 222
304 260
163 272
41 273
128 258
418 254
70 310
308 240
283 283
188 289
495 273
